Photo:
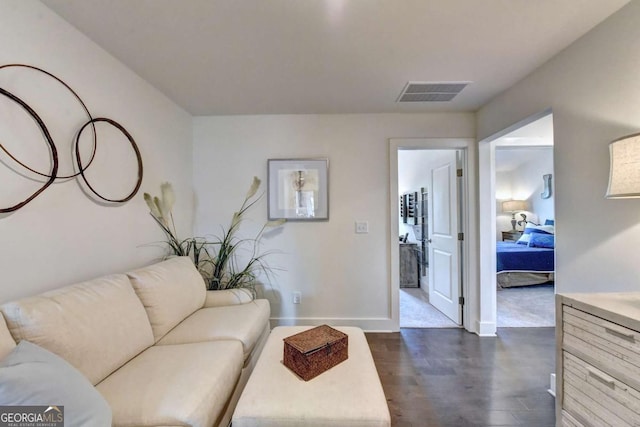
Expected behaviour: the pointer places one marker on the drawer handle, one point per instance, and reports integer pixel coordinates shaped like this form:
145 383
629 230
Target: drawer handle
604 379
629 336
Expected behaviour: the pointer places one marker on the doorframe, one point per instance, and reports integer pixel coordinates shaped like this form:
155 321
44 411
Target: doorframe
487 315
468 259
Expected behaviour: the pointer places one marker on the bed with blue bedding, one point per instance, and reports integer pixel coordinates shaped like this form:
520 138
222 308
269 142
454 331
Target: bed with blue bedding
516 257
530 261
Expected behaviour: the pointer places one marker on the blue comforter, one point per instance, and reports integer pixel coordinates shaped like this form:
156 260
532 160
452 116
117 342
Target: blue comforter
514 257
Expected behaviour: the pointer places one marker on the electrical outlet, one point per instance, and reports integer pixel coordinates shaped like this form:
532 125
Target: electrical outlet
297 297
362 227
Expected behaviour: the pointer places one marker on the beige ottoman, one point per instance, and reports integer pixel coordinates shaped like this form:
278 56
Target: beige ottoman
349 394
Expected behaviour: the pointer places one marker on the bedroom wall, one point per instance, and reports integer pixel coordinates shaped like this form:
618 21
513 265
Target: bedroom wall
412 175
503 192
343 277
594 91
63 236
413 167
527 183
524 182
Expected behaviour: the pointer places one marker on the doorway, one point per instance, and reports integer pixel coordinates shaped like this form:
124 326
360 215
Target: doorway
516 188
429 206
524 172
427 223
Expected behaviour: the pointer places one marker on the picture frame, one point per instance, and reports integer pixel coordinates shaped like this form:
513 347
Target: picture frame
298 189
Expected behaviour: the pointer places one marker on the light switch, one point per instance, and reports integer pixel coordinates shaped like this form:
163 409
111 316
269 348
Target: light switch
362 227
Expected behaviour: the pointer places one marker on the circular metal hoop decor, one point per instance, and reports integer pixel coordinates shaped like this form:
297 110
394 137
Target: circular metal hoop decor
133 145
84 107
52 147
81 169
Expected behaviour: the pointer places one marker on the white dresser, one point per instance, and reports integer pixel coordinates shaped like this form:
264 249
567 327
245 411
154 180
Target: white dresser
598 359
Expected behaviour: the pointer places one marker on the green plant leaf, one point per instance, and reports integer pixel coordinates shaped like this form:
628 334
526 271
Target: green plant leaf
217 259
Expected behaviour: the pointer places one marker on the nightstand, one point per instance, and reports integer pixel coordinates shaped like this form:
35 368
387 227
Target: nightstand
511 235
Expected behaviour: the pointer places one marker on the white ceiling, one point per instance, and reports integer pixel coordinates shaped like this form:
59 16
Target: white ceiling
330 56
524 144
536 133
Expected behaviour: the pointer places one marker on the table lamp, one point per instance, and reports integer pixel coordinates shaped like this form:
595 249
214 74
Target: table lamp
513 206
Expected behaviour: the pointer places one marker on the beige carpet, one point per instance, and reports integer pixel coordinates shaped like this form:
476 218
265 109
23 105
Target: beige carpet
416 312
528 306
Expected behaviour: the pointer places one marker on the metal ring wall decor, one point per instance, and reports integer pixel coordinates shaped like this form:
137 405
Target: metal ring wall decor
133 145
84 107
52 146
53 175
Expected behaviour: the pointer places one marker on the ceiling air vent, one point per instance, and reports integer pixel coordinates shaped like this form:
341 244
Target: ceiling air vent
431 91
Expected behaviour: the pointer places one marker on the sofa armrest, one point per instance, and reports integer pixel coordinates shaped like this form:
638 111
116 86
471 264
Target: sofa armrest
228 297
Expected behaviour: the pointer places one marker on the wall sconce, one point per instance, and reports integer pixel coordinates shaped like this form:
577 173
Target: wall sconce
624 169
513 206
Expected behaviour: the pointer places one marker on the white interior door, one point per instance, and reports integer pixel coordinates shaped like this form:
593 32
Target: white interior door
444 247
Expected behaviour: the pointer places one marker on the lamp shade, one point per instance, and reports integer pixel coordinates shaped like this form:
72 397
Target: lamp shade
514 206
624 169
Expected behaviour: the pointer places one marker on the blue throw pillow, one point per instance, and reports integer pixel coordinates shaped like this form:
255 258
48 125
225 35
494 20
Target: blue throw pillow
549 222
31 375
534 229
539 240
543 229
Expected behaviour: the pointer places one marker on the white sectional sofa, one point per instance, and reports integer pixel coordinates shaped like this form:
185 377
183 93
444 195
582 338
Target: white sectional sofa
156 345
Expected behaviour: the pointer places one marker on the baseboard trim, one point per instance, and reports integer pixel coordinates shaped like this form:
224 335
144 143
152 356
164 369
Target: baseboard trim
552 385
486 329
366 324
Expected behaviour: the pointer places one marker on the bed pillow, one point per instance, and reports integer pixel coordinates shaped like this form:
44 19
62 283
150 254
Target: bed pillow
539 240
549 222
534 229
31 375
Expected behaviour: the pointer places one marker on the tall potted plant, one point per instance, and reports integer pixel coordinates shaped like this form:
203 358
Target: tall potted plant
217 260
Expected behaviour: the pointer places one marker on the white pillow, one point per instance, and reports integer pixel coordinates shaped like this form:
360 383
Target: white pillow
31 375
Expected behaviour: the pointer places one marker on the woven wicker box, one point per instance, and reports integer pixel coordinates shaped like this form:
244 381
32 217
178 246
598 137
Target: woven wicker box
314 351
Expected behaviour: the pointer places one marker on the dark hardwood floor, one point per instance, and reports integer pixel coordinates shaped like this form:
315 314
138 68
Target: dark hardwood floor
450 377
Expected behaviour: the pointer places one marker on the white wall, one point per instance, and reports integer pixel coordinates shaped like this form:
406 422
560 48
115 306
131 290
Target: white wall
412 175
62 236
344 277
594 91
527 183
524 182
413 167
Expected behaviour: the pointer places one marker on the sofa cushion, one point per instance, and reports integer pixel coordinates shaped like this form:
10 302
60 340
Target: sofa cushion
31 375
174 385
228 297
243 322
170 291
96 326
6 341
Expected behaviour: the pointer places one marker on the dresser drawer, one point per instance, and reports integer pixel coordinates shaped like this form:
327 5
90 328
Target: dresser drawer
569 421
612 348
600 399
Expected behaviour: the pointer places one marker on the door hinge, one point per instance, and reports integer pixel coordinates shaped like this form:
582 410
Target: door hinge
460 236
459 173
461 300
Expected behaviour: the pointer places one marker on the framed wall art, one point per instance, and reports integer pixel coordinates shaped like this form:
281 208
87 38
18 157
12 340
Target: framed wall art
298 189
